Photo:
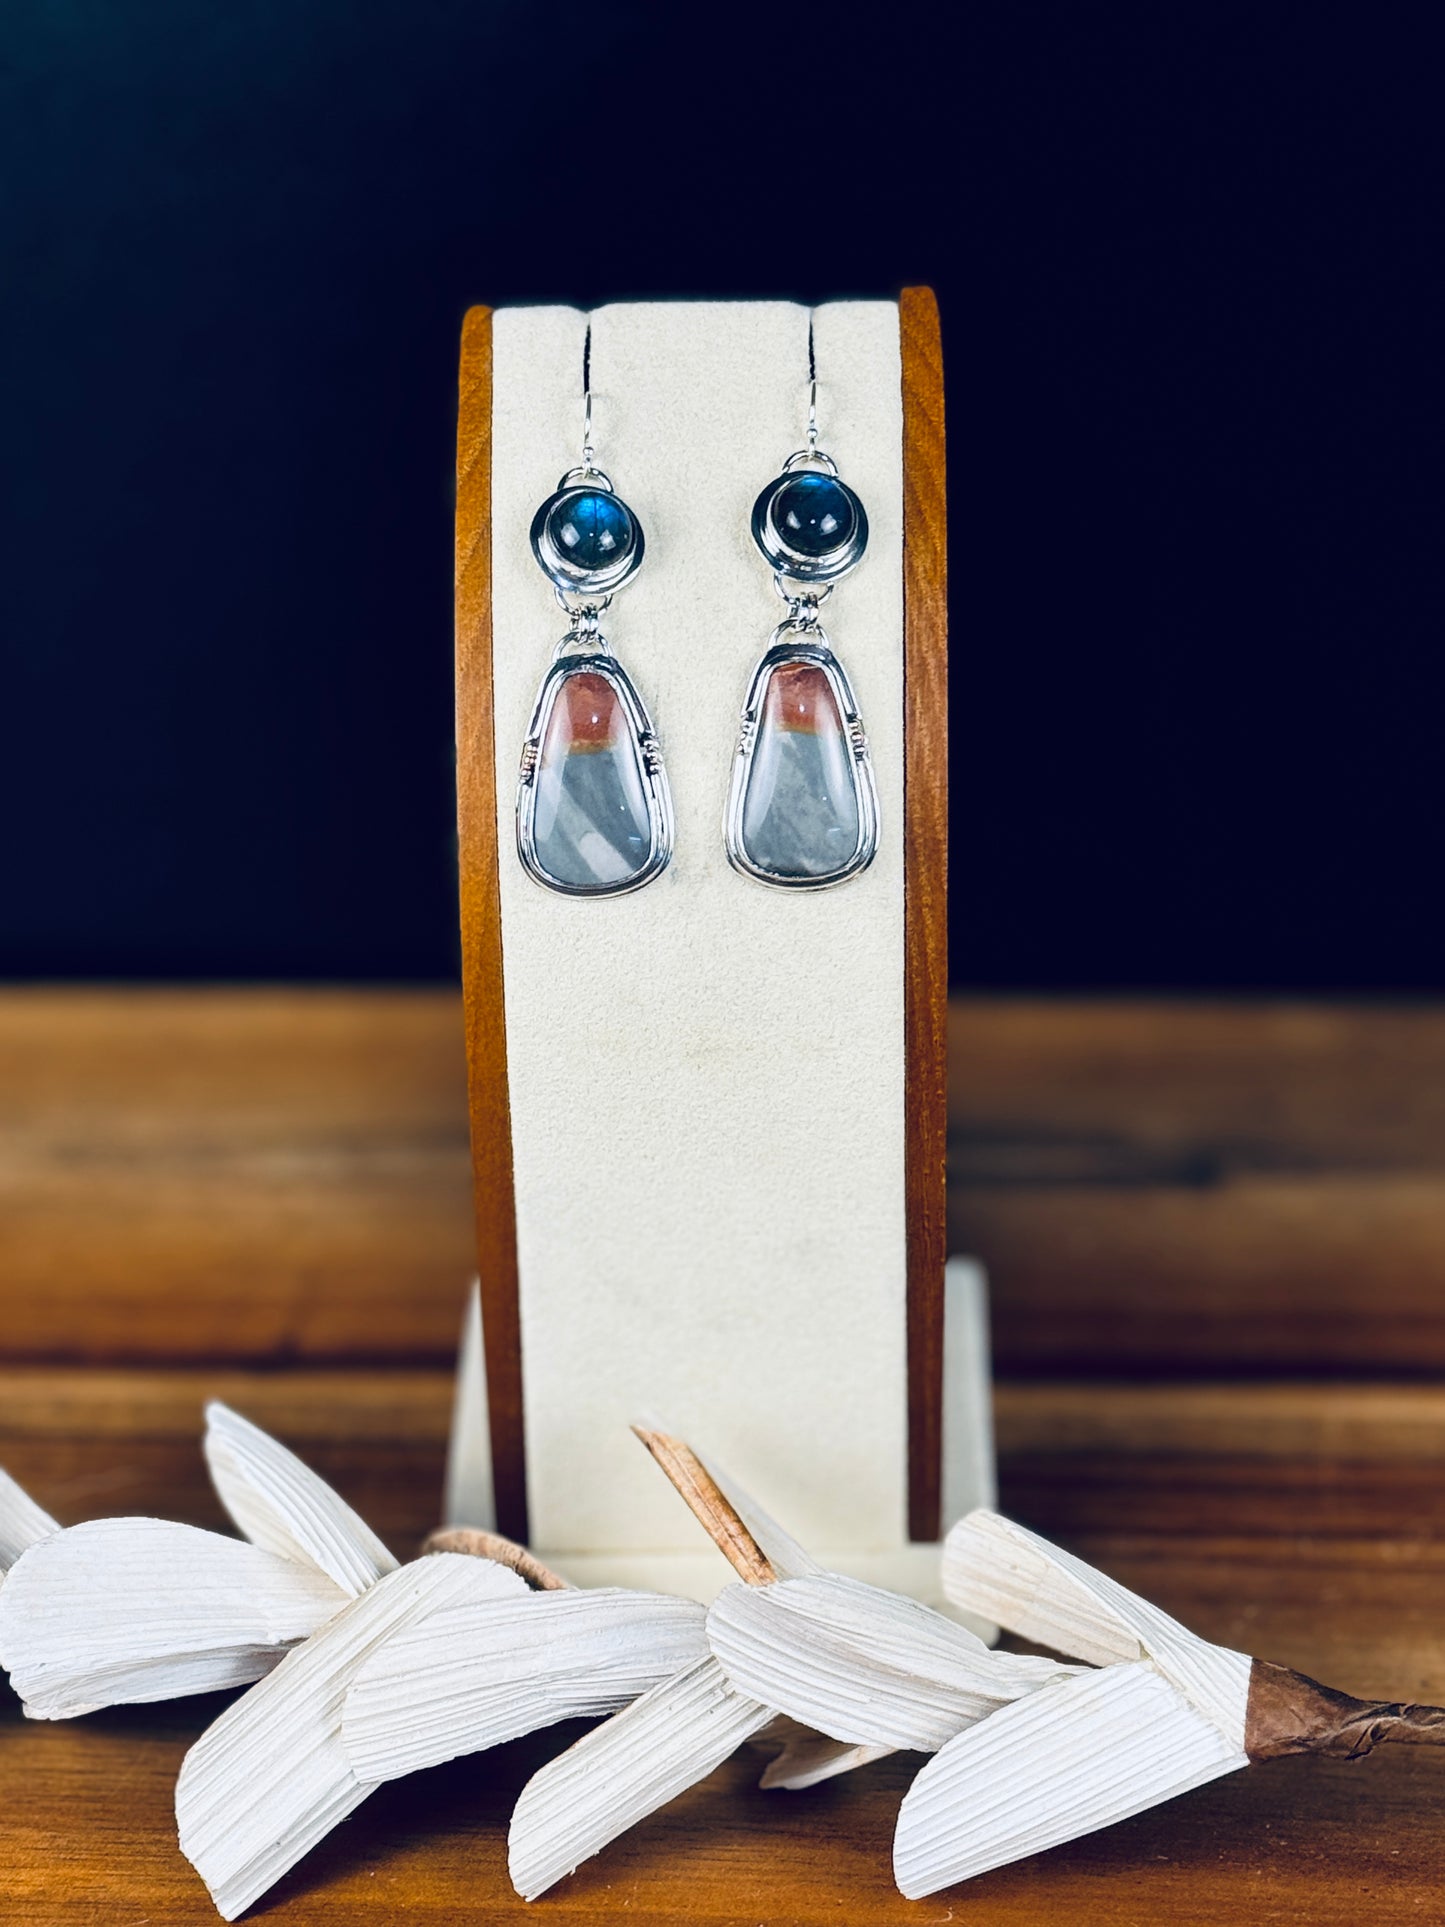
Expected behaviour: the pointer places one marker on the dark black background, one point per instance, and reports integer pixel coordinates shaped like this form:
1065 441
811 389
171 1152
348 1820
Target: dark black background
1189 263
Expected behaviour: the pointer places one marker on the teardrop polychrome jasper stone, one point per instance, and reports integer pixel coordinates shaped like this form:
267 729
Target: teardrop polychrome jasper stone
590 822
800 809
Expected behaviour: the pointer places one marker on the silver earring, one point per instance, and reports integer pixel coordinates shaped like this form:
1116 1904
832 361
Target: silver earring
802 810
594 813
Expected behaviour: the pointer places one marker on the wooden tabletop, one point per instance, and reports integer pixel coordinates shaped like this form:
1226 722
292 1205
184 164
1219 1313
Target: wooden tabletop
1216 1237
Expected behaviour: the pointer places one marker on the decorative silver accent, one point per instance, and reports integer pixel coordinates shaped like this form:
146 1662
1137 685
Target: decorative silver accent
595 659
798 639
560 569
789 562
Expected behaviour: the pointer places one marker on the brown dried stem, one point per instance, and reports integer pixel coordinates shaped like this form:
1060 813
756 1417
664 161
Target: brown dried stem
505 1552
1290 1713
707 1503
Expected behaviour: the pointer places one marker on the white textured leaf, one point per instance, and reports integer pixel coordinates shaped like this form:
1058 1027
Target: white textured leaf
22 1522
477 1671
807 1758
123 1610
281 1504
271 1778
1001 1570
625 1769
862 1665
1073 1757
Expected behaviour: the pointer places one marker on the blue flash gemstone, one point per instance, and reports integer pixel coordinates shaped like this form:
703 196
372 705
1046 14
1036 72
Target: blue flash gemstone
591 528
813 514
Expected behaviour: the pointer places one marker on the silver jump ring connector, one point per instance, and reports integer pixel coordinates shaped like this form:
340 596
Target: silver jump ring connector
802 606
810 457
808 631
583 609
588 475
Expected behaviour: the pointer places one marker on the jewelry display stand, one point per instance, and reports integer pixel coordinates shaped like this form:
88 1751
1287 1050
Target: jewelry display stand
708 1118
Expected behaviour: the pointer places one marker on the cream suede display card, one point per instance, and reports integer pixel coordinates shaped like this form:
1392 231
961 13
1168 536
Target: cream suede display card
707 1077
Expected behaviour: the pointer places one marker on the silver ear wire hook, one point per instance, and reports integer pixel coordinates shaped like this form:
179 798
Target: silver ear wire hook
812 392
588 451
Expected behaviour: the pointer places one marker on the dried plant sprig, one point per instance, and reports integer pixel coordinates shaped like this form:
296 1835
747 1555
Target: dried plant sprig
672 1737
1291 1713
858 1670
481 1544
474 1643
719 1517
270 1778
1163 1712
859 1666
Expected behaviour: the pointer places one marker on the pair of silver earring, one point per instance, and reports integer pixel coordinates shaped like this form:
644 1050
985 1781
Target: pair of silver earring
594 810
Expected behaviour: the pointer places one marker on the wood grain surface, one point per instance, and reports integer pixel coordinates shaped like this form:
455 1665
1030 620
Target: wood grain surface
90 1831
1172 1189
925 889
493 1194
265 1196
1161 1190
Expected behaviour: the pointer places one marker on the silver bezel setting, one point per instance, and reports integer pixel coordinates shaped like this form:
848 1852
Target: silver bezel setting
558 567
599 662
815 649
789 562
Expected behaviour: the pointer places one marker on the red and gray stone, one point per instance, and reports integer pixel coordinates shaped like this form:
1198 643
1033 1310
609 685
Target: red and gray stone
800 809
590 824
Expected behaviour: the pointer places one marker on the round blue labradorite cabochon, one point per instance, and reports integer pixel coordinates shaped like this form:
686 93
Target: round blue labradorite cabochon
592 529
814 514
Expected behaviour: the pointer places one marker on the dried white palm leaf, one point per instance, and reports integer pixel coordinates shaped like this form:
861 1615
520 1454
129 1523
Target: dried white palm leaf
281 1504
669 1739
624 1770
131 1610
1043 1593
1073 1757
1166 1712
471 1645
124 1610
867 1667
270 1778
477 1671
881 1671
22 1522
